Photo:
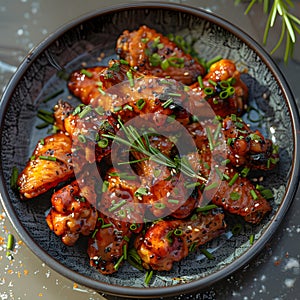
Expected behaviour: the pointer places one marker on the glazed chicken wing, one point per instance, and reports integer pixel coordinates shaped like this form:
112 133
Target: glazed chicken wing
50 164
223 90
169 241
247 147
73 210
152 53
106 247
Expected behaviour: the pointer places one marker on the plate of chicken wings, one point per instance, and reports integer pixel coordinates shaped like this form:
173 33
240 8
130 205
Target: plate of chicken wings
138 157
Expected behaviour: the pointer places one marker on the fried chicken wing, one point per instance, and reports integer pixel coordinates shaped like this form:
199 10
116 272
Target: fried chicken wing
73 210
49 165
237 195
152 53
247 147
106 245
169 241
223 90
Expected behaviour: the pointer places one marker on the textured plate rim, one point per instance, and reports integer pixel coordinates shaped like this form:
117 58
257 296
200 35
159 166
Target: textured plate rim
201 283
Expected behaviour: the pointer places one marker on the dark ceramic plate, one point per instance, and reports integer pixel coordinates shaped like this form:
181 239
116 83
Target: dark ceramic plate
84 40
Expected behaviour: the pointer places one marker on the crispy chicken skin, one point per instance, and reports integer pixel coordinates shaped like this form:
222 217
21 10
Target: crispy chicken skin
152 53
169 241
50 164
73 211
216 80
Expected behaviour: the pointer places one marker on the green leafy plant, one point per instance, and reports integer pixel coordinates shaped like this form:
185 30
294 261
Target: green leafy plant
290 24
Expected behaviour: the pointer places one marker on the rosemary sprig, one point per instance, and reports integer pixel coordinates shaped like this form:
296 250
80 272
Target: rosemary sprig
142 145
290 23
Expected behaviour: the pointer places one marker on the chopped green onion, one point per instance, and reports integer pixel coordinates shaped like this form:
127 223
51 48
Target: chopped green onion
140 104
212 82
251 239
165 64
94 233
211 186
193 247
117 205
200 81
255 137
230 90
178 232
233 179
207 254
234 196
50 97
253 194
141 191
208 91
134 259
127 106
236 229
159 205
44 157
224 84
167 103
105 186
124 62
225 162
10 245
86 73
144 40
103 143
169 236
173 201
10 242
77 109
47 117
99 110
118 263
126 238
267 194
84 112
191 185
133 227
106 225
41 126
117 108
224 94
245 172
81 138
206 208
155 60
125 251
14 178
148 277
213 61
210 138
